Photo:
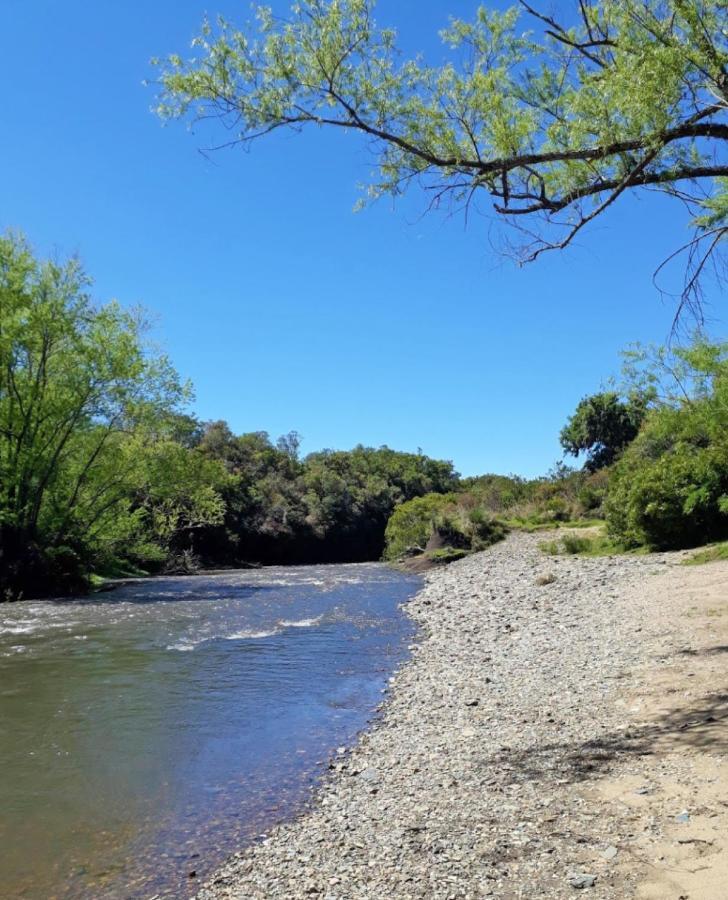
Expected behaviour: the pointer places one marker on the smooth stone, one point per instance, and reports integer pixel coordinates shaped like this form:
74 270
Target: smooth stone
582 880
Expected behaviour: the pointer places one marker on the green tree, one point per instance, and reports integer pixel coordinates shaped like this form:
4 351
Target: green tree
77 384
351 494
554 123
670 489
175 494
437 521
265 507
331 506
411 524
602 426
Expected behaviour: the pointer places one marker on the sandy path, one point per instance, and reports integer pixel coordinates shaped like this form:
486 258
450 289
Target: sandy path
672 782
546 740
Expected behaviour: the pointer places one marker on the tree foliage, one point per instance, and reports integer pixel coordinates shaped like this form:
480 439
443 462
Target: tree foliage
562 495
331 506
100 464
83 405
101 468
602 426
412 523
438 521
554 119
670 488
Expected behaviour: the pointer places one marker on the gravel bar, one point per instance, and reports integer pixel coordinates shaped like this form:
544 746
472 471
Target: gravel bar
472 782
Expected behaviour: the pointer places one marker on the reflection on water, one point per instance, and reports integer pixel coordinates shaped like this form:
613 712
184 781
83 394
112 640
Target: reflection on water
148 732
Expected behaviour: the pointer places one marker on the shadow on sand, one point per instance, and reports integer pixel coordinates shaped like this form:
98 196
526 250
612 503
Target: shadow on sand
702 726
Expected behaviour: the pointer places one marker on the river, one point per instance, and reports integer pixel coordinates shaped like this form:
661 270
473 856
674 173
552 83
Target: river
148 732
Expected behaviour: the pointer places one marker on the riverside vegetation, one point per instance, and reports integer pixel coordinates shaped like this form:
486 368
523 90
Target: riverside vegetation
539 113
102 469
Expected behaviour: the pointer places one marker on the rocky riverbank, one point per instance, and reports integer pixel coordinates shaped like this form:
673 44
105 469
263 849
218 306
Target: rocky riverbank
559 729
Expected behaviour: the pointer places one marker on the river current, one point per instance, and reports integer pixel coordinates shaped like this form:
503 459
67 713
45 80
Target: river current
148 732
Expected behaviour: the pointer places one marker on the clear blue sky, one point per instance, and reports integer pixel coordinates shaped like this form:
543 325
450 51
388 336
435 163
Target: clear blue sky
286 309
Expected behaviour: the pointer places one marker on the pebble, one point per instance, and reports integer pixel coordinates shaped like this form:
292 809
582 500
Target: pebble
469 783
581 881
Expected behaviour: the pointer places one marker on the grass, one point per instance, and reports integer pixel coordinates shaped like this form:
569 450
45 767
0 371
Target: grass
531 525
114 571
601 545
712 553
446 555
586 545
572 545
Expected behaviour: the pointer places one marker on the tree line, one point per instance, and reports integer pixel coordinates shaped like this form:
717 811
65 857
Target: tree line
103 470
654 473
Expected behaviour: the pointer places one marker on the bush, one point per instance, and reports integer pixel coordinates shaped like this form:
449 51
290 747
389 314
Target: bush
679 499
670 489
593 492
438 521
410 525
569 544
553 548
448 531
563 495
486 531
581 545
574 543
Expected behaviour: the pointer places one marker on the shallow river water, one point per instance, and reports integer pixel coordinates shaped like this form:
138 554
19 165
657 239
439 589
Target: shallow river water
148 732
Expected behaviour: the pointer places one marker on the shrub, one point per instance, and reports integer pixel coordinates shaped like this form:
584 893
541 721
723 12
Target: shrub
487 531
563 495
410 525
449 528
553 548
438 521
679 499
574 543
670 489
581 545
593 492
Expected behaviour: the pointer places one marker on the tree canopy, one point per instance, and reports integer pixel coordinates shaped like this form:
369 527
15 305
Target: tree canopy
670 489
333 505
553 119
102 470
602 426
87 461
